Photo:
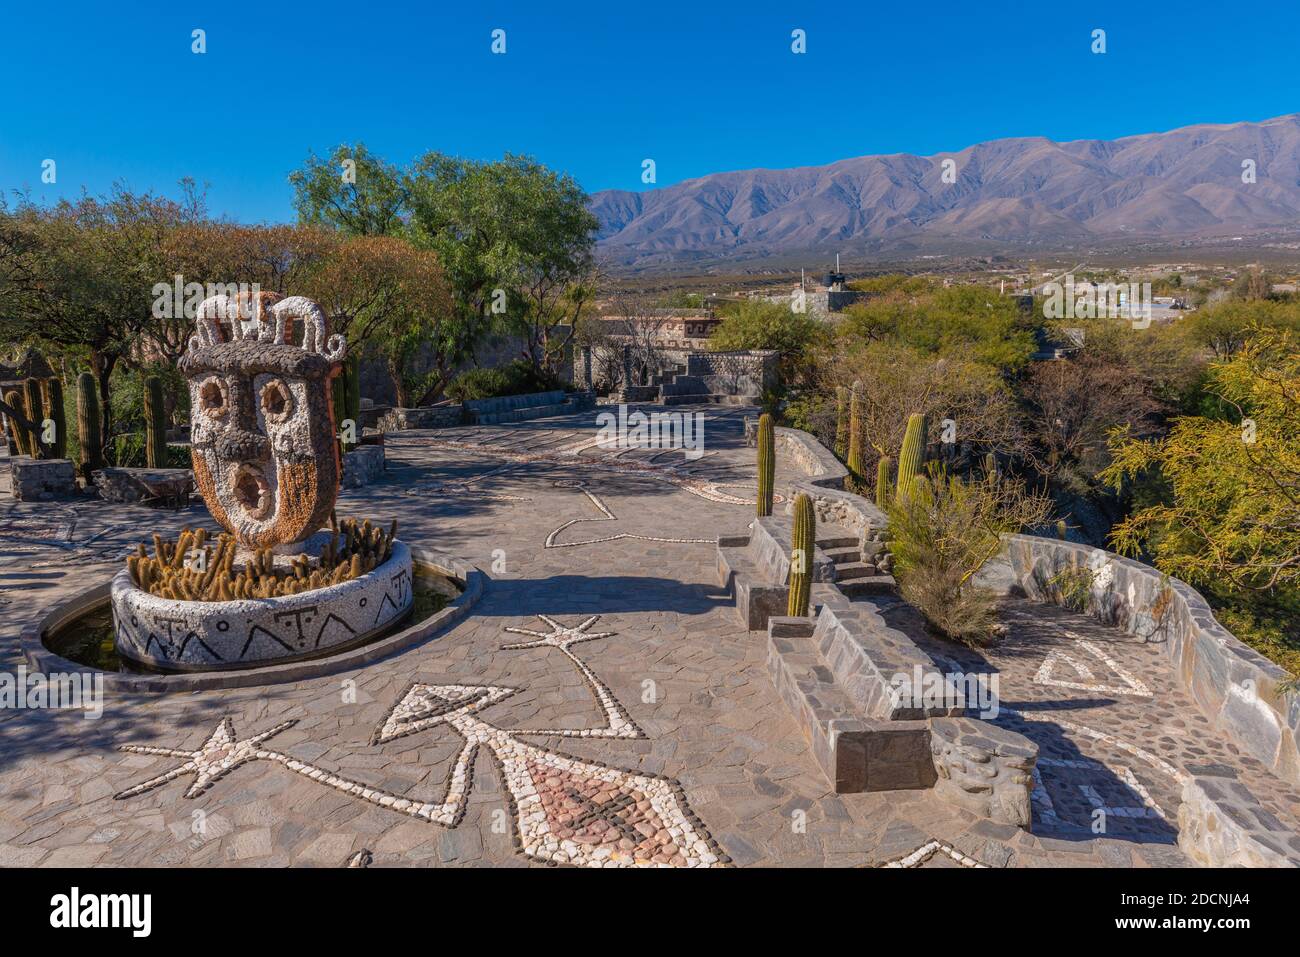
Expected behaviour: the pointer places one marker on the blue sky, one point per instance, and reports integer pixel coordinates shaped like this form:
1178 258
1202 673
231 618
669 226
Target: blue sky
113 91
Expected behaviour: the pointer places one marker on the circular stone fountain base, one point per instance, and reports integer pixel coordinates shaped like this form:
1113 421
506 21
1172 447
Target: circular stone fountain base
176 635
43 642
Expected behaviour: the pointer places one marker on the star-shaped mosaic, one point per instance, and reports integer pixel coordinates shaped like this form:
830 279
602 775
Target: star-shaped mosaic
218 756
560 635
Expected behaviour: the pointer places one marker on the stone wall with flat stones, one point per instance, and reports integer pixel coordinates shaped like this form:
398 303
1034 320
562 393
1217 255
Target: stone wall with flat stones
749 372
363 465
1236 687
425 417
825 486
33 480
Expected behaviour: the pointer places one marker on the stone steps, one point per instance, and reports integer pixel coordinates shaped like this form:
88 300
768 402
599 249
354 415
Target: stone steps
835 541
843 554
706 399
856 752
851 571
522 415
869 586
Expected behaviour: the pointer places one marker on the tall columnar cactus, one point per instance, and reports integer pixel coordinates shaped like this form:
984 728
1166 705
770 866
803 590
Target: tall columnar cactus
912 455
36 412
802 542
855 436
53 393
88 425
347 400
841 422
17 434
990 467
883 491
766 463
155 424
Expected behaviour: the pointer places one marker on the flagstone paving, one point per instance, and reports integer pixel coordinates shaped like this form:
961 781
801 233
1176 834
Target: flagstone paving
603 680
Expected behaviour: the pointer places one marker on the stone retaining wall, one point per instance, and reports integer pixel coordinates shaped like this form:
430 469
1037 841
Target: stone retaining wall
1235 686
425 417
825 486
750 372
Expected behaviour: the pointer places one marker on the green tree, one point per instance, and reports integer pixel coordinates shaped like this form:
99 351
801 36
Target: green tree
512 235
78 277
353 191
758 324
1231 514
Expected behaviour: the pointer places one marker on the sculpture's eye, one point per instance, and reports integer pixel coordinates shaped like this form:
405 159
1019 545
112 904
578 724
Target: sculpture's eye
212 397
277 401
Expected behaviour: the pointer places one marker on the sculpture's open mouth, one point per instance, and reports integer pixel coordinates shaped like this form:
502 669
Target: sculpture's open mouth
252 491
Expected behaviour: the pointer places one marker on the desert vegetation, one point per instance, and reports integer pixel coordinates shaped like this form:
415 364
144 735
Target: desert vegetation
1176 443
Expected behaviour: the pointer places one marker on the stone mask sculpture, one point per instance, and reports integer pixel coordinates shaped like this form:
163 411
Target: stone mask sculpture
262 423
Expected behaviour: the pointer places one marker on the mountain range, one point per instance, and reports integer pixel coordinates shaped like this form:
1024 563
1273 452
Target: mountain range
1029 192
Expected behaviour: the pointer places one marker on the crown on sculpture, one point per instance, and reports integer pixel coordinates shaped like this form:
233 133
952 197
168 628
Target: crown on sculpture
262 423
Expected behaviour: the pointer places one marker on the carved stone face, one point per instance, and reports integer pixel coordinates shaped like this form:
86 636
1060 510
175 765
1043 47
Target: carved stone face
262 423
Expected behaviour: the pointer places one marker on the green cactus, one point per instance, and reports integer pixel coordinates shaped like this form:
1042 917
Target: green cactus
347 399
35 408
912 455
854 461
990 467
802 543
155 424
17 434
88 426
766 463
53 394
883 491
1061 529
841 423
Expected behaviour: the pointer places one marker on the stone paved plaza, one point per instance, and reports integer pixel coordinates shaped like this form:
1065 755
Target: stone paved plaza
603 652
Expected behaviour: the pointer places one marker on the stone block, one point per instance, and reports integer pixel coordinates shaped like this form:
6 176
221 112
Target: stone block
39 480
151 486
363 465
985 769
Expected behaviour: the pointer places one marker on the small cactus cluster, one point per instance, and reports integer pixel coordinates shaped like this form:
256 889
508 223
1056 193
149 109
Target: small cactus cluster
40 399
190 569
803 541
89 432
155 424
766 463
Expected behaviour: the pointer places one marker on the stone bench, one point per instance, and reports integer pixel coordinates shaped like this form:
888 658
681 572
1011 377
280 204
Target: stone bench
39 480
149 486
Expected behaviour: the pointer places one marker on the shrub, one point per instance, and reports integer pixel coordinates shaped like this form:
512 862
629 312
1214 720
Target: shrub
129 452
517 378
942 533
